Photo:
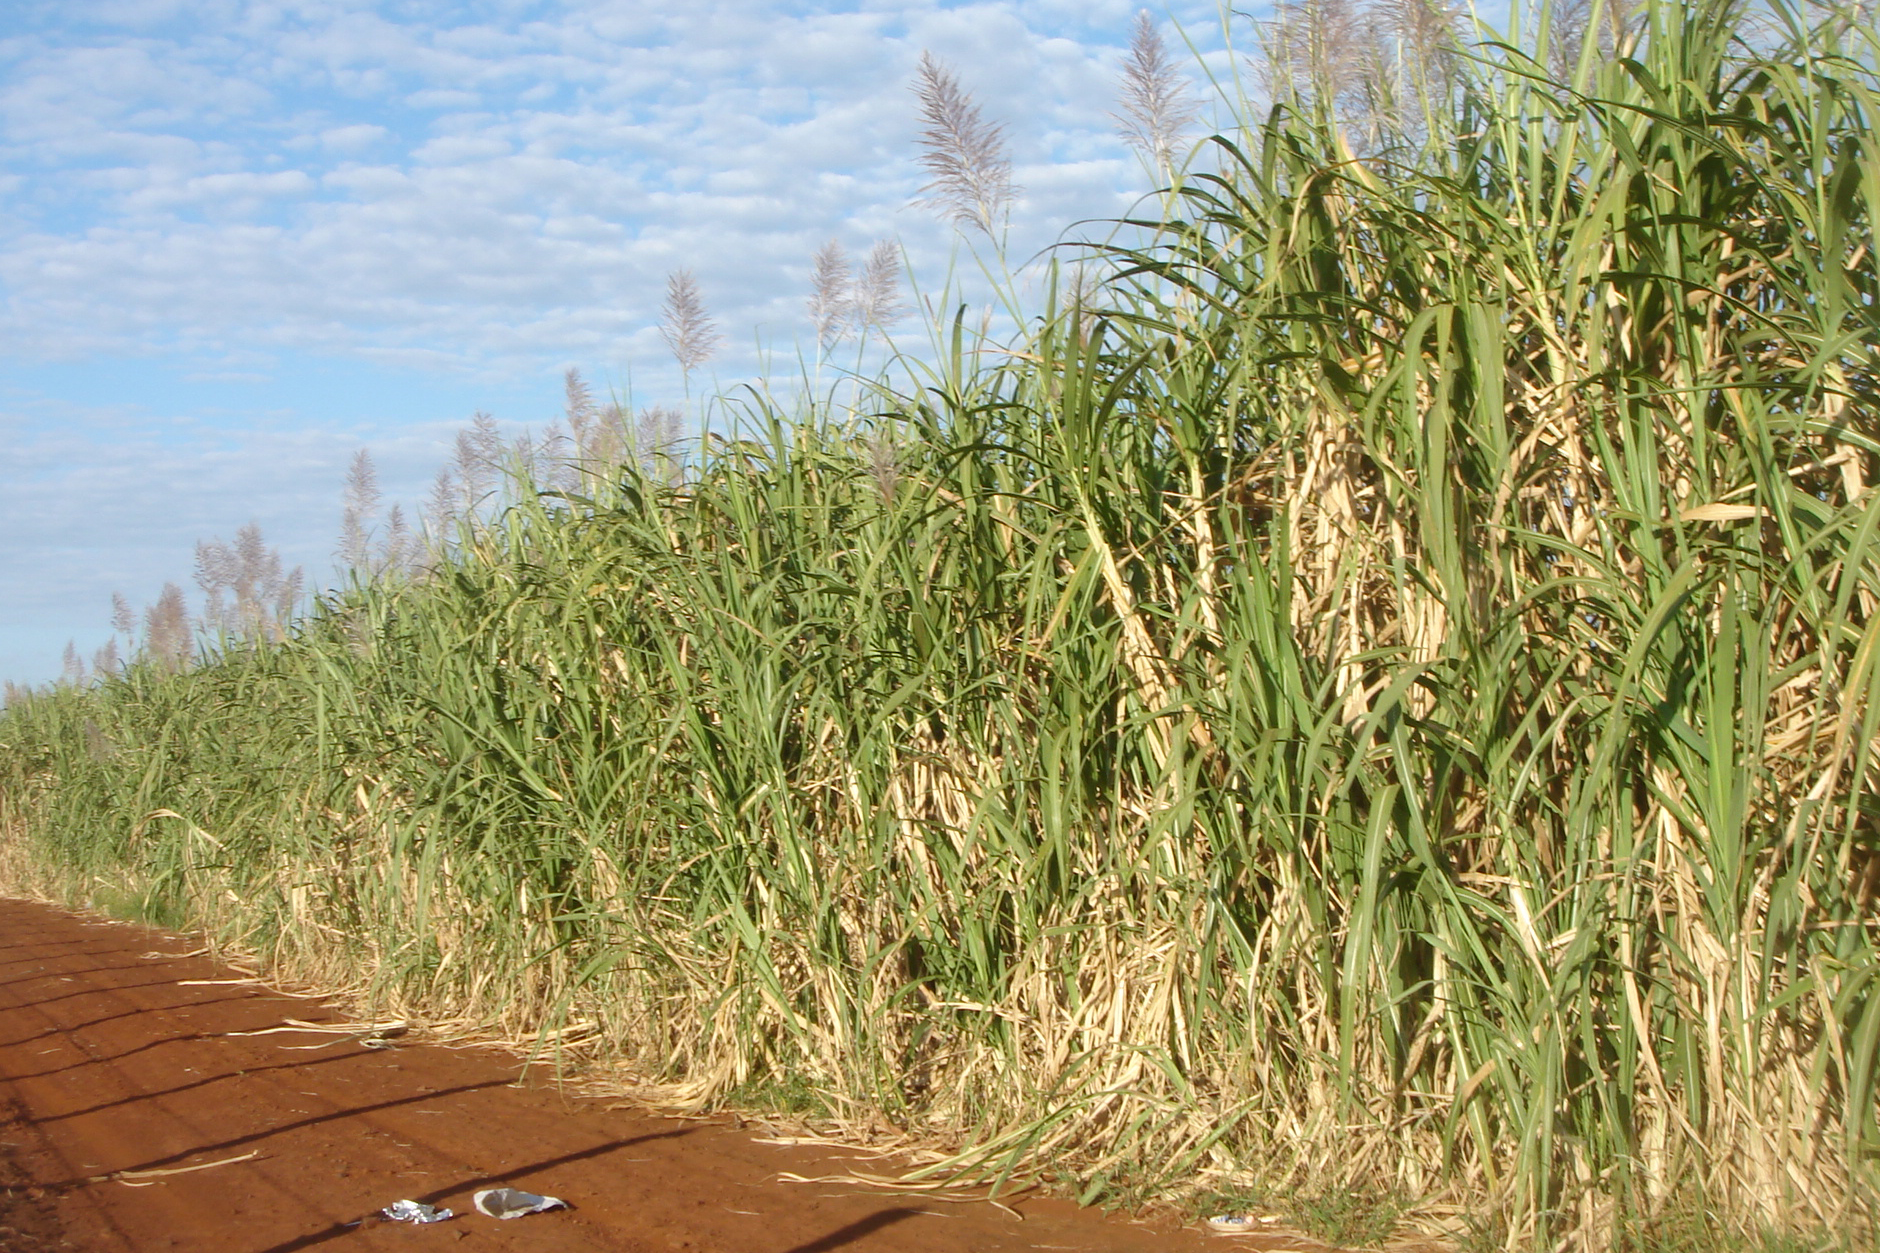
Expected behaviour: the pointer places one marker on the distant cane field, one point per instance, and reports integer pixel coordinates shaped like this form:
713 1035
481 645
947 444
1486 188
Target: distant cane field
1368 707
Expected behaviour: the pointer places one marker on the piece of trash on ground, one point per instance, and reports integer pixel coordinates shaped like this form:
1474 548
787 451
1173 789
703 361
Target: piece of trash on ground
1239 1224
415 1212
514 1202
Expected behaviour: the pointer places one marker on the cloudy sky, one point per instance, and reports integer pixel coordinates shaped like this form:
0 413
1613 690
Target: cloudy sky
240 239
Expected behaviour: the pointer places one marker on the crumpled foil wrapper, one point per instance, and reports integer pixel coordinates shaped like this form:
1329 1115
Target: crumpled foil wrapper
415 1212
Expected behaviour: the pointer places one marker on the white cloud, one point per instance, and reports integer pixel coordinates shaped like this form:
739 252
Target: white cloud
240 194
355 138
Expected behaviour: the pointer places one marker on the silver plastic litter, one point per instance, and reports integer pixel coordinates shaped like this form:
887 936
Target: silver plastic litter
415 1212
514 1202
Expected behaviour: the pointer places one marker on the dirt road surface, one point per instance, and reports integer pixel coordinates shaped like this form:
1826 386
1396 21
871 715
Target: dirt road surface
119 1061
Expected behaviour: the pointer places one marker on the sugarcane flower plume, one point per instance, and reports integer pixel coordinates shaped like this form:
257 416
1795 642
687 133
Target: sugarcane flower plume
971 175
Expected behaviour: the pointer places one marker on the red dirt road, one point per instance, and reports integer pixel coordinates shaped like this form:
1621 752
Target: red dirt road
116 1056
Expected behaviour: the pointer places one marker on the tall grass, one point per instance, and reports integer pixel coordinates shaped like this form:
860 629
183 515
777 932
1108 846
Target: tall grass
1385 701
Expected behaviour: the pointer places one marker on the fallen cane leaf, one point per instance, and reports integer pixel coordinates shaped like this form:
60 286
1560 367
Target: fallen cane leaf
131 1178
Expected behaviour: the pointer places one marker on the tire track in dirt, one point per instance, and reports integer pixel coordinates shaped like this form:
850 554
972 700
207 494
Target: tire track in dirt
116 1055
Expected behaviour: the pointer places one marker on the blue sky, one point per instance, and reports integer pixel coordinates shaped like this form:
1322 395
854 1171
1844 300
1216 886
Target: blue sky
240 240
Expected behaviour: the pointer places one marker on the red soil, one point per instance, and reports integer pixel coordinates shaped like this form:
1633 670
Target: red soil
116 1056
